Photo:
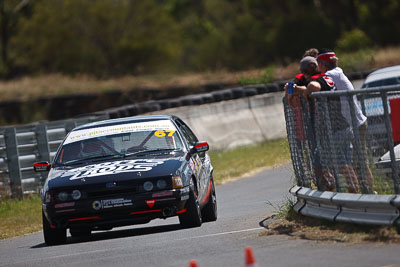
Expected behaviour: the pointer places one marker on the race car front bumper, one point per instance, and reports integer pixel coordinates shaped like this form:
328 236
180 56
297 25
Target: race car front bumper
112 211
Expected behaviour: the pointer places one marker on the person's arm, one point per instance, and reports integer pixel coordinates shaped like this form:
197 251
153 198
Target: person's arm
298 90
312 87
285 88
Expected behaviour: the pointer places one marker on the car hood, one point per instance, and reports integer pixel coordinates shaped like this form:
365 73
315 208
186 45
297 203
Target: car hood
116 170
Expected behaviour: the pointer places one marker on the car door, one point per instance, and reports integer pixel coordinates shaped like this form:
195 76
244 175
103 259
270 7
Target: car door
198 159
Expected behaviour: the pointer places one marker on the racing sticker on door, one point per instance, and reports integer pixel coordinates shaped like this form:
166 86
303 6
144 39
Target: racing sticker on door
110 168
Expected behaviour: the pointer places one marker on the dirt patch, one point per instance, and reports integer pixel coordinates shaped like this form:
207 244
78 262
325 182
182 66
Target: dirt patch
301 227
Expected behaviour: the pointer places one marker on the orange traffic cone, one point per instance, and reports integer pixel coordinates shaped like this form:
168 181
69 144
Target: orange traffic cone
192 263
250 261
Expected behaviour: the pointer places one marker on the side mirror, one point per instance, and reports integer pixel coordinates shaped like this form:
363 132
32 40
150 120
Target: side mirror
200 147
42 166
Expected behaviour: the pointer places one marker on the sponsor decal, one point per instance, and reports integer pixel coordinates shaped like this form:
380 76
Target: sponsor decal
329 81
96 205
166 199
64 205
150 203
111 203
192 165
185 197
185 189
111 168
162 194
61 211
162 127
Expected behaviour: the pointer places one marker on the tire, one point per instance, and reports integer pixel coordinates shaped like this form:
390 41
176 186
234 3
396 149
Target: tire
208 98
250 91
209 212
175 103
192 216
79 232
217 95
261 89
273 87
53 236
237 92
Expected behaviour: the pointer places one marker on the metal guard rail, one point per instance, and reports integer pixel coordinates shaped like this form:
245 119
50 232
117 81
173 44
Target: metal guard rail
346 207
353 207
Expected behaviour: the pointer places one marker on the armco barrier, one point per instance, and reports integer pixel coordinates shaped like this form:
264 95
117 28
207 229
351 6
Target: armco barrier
226 124
21 146
345 207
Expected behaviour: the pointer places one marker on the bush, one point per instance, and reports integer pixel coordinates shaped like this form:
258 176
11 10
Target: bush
263 78
357 61
353 40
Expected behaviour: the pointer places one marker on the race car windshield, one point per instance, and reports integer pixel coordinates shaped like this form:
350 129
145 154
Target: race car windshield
119 145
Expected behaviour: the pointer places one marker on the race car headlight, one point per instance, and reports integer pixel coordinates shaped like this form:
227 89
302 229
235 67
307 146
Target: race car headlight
48 197
76 194
62 196
148 186
177 182
161 184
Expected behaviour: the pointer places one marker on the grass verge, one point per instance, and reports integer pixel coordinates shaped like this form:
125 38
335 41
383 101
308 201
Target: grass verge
237 162
287 222
18 218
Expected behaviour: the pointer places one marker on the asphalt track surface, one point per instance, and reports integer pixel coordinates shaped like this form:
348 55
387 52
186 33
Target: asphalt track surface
242 207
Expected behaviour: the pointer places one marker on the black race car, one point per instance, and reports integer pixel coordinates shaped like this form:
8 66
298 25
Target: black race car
127 171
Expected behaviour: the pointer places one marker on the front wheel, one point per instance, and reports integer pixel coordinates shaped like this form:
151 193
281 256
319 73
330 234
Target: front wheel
192 216
209 212
53 236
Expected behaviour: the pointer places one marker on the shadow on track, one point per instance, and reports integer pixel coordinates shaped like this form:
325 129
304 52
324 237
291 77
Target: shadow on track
113 234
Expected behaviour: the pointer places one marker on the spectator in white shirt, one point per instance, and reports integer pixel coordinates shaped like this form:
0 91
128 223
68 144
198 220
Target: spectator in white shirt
327 62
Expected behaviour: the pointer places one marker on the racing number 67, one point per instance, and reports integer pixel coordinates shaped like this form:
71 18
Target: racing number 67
162 133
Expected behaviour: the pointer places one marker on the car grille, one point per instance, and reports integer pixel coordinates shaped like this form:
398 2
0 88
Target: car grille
111 192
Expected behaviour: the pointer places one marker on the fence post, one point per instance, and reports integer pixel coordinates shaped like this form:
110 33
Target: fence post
42 141
390 141
357 142
323 101
69 126
10 138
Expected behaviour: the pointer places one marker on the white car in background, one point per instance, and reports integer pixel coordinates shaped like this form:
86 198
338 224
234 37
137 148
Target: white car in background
374 106
381 77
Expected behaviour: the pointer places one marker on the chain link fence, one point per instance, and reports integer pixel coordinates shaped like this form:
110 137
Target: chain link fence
332 149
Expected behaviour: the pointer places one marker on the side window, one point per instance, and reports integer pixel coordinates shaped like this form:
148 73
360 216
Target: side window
188 134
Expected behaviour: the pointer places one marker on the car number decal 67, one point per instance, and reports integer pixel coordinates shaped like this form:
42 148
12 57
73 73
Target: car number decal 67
162 133
115 167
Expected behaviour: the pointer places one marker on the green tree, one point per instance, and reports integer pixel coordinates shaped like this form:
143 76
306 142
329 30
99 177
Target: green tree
104 37
10 12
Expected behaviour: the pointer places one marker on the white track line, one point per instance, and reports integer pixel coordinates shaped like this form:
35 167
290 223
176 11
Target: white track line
223 233
118 248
